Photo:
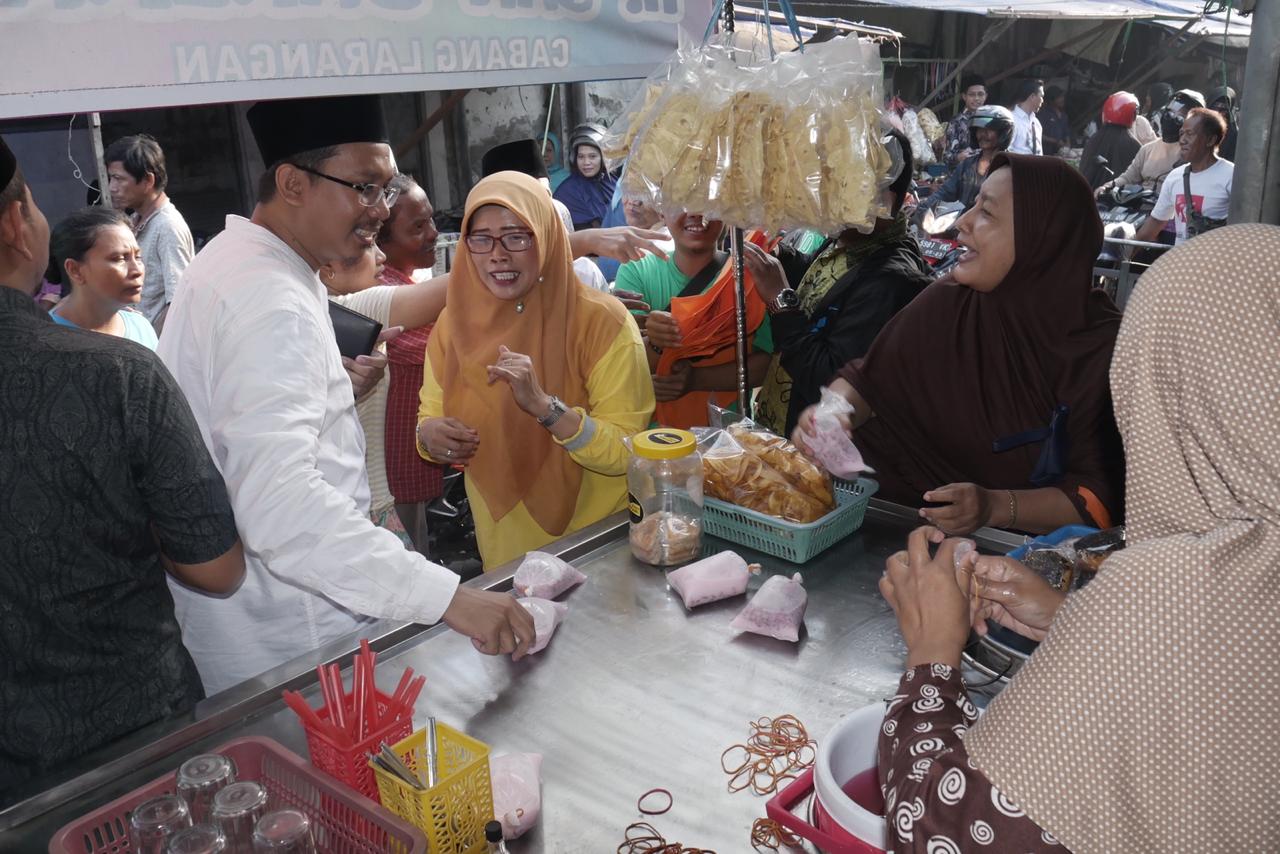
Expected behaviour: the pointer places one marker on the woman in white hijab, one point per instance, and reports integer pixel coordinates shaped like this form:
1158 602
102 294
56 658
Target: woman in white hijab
1146 720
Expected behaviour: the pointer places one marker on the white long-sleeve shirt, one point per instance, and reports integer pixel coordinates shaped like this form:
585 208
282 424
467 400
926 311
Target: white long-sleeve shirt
249 340
1028 136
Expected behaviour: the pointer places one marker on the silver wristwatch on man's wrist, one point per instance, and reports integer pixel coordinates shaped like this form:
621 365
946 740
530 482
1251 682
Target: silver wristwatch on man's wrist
786 300
554 411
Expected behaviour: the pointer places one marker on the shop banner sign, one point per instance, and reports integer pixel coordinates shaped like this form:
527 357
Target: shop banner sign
68 56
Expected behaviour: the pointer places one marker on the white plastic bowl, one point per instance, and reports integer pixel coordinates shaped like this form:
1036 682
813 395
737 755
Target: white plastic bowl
847 751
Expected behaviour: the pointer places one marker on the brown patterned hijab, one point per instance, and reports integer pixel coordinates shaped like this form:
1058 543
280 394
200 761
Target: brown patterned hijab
1147 719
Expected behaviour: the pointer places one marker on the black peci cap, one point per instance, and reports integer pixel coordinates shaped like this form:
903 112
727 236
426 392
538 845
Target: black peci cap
8 164
284 129
521 155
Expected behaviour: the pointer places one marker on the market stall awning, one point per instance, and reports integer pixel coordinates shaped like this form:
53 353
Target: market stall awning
1047 9
1235 27
74 56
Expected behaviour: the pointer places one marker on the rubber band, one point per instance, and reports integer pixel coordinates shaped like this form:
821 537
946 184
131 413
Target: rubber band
767 833
652 842
670 802
776 750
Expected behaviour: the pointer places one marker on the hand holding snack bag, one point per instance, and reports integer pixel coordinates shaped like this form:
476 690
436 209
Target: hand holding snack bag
830 443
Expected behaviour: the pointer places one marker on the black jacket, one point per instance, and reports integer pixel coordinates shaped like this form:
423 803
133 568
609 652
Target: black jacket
846 321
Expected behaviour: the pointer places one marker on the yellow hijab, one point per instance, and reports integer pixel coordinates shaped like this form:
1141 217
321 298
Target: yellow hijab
565 329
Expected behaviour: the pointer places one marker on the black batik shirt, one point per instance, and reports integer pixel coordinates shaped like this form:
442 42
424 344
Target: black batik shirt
98 449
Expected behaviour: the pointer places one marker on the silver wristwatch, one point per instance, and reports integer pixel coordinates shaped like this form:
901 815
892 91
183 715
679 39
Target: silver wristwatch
554 411
787 300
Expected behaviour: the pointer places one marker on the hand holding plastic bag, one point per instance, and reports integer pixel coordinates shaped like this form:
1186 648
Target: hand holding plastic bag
545 576
831 444
546 616
517 791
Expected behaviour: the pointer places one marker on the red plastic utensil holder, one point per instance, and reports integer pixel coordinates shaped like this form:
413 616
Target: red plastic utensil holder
350 764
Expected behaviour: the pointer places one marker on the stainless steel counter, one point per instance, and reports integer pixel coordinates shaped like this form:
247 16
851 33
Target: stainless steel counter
633 693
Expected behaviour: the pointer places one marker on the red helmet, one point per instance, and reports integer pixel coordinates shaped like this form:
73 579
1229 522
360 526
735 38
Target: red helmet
1120 109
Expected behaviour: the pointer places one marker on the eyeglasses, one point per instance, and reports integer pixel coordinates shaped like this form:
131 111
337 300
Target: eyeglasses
370 194
512 241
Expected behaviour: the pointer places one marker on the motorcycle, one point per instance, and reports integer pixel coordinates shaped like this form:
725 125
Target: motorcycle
935 231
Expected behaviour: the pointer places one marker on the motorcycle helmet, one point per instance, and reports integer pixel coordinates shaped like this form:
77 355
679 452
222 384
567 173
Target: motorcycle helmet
1120 109
996 118
588 134
1173 116
1222 100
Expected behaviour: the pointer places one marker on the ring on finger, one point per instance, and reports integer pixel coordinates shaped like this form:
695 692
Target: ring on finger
448 453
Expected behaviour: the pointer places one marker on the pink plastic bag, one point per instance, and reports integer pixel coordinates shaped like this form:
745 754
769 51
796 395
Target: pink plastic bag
777 609
711 579
517 791
831 445
546 616
545 576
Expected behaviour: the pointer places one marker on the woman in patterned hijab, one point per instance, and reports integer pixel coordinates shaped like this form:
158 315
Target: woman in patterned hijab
1146 719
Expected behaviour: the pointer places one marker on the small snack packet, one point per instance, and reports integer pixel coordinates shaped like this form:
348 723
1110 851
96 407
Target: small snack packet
545 576
517 791
832 445
712 579
546 616
777 609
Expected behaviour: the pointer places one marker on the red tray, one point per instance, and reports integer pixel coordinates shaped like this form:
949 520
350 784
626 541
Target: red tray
343 821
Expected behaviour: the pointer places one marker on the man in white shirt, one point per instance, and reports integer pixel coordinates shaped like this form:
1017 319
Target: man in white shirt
1028 136
1210 180
250 342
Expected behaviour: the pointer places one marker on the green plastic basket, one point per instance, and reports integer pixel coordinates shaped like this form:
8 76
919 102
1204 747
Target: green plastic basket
796 543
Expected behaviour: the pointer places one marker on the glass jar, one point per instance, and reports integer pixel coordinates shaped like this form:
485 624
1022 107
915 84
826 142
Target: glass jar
664 497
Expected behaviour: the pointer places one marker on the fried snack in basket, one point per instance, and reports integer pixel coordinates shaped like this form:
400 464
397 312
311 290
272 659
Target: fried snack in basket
738 476
784 458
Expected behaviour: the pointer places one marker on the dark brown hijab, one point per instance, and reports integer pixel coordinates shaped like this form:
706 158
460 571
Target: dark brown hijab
958 370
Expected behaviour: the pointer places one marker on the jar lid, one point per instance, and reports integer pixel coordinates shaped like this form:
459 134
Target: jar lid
664 444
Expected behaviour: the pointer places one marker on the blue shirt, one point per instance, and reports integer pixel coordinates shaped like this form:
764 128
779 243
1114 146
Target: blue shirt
136 327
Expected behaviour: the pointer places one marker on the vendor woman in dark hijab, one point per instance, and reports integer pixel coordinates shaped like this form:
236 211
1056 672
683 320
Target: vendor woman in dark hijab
588 191
987 399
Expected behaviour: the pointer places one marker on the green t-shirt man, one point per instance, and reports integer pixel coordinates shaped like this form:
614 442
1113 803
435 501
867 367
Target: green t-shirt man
659 280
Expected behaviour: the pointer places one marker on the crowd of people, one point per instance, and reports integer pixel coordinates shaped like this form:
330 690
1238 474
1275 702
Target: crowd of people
1132 144
245 493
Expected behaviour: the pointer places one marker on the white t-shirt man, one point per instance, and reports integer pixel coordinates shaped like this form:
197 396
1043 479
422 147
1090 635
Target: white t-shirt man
249 340
1210 189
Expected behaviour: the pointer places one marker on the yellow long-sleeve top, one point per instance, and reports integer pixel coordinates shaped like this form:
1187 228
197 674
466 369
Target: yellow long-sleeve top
620 404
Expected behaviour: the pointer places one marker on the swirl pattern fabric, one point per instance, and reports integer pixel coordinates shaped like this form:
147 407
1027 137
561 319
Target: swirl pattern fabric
1146 719
936 802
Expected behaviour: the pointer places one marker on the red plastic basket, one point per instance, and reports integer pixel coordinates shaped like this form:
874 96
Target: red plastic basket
343 821
351 766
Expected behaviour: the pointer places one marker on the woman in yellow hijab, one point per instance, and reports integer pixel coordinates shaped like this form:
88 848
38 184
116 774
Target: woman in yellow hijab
532 381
